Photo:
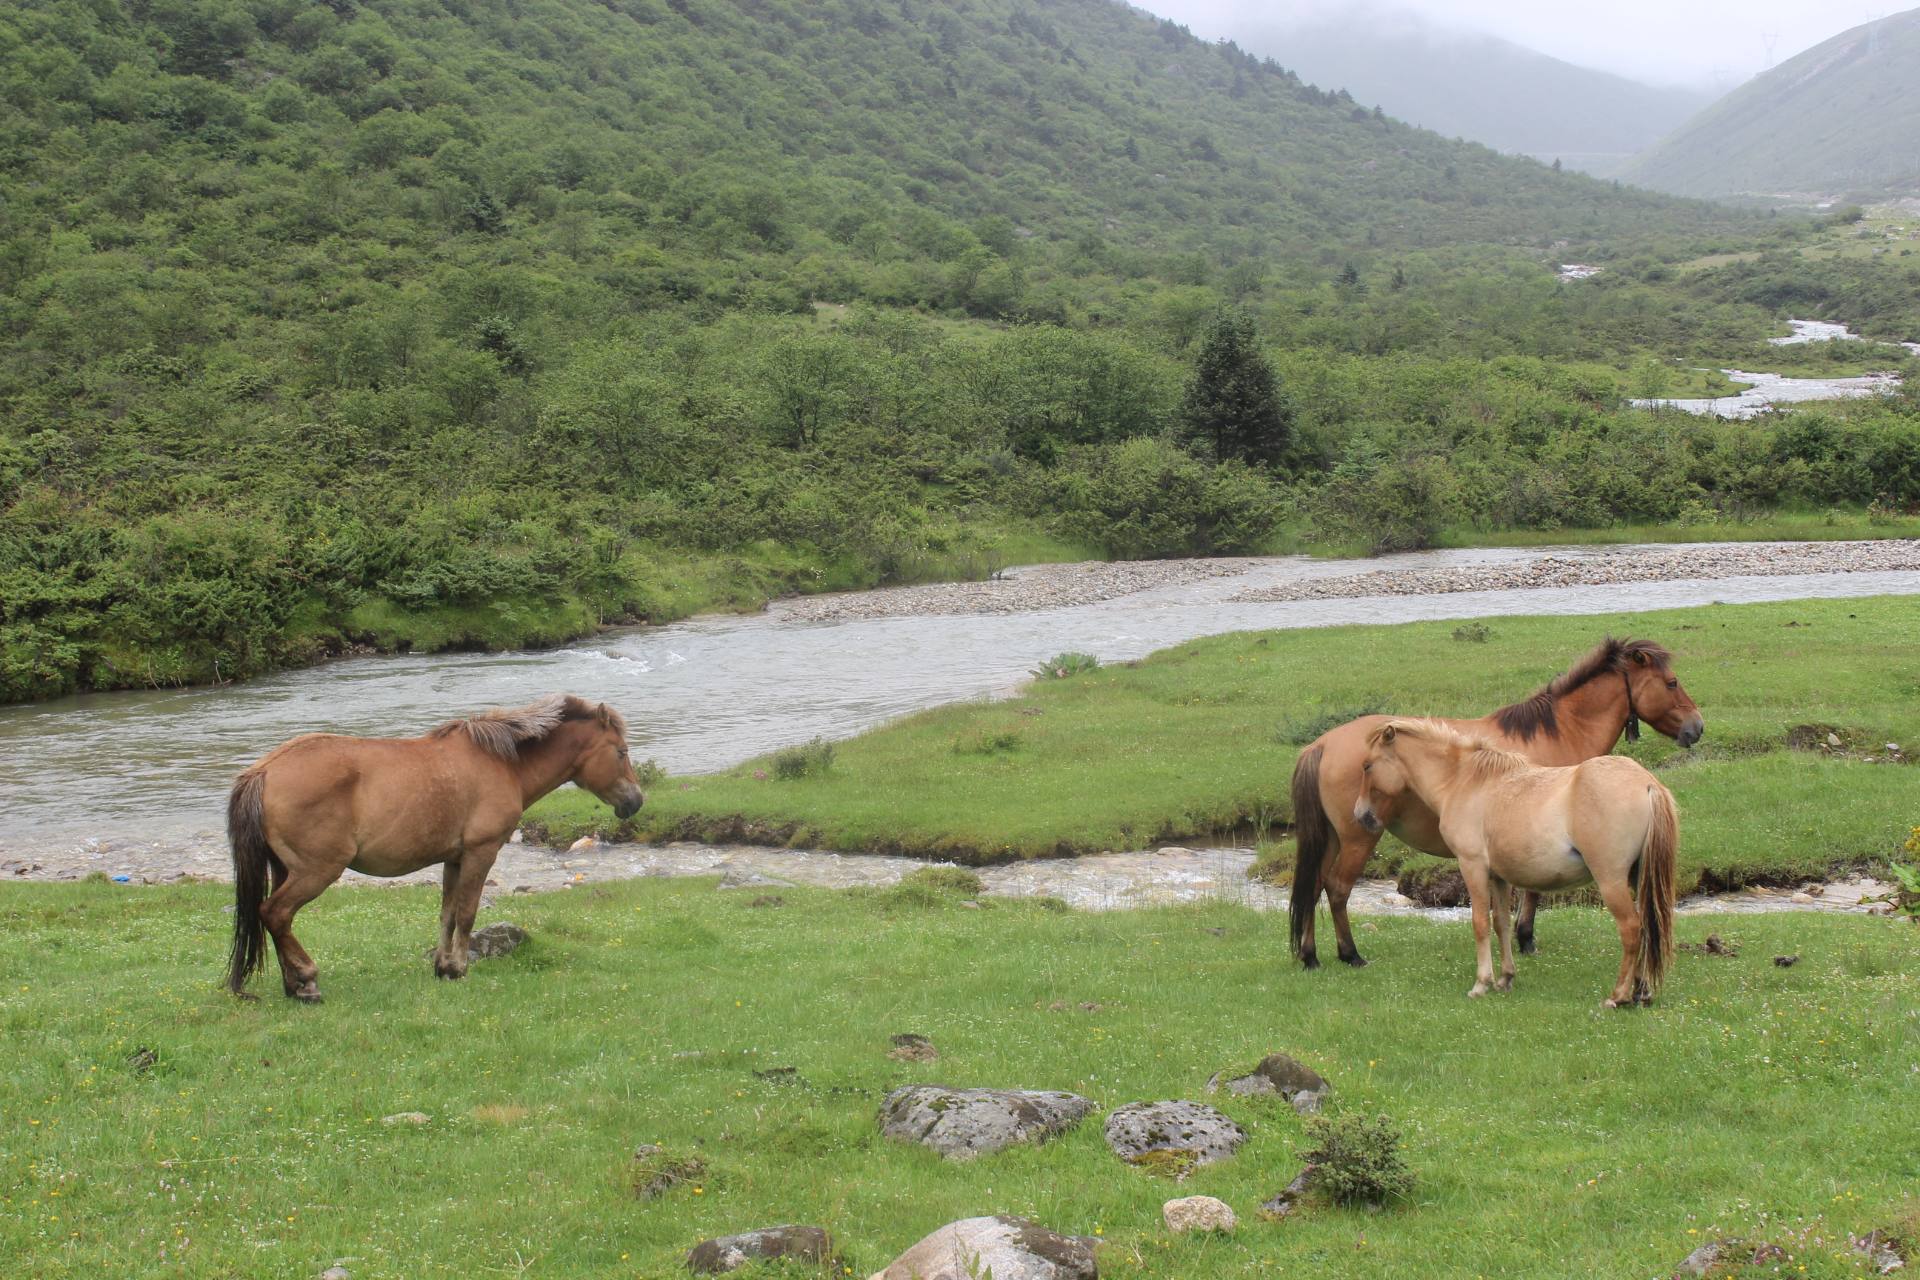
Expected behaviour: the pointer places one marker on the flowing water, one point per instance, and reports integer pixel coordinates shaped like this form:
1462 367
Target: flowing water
152 768
1770 389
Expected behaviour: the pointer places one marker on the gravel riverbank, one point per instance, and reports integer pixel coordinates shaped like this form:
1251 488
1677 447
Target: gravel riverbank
1099 882
1040 586
1604 568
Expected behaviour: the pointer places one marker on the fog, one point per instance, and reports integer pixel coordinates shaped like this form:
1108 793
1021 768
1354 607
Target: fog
1712 44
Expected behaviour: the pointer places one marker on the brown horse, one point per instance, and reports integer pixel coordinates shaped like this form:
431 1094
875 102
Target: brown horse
321 804
1605 820
1578 715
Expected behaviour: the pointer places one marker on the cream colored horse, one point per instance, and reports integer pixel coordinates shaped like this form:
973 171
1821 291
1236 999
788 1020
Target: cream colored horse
1513 823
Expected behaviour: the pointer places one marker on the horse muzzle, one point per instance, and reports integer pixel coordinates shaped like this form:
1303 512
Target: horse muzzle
1364 815
629 804
1691 732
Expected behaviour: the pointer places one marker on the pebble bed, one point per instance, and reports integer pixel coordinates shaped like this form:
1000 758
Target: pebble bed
1041 586
1724 560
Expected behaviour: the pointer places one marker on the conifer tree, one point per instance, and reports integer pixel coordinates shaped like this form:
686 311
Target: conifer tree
1233 404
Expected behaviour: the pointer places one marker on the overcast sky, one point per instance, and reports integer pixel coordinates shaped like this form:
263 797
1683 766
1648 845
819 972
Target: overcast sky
1712 43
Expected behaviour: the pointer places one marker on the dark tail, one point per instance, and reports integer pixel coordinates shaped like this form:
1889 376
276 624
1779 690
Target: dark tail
247 834
1311 834
1656 891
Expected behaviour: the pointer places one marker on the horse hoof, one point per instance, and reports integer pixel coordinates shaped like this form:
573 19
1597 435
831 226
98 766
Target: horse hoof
449 974
308 994
1356 960
1609 1003
1527 947
1308 960
1505 984
1476 993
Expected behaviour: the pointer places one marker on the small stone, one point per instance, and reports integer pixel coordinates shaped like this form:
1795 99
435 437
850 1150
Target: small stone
583 844
334 1273
1289 1198
1880 1252
970 904
1703 1259
730 1253
518 837
1004 1247
908 1047
1198 1213
500 939
1786 962
1278 1074
1833 739
964 1123
405 1117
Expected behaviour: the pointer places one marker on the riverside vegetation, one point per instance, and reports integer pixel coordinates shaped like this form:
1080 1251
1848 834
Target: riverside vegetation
155 1125
419 324
1200 739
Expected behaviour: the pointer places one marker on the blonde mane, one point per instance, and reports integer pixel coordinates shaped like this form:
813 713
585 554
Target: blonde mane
1482 759
501 732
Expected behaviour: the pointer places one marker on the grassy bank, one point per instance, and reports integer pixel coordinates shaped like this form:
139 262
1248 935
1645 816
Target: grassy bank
1548 1138
1201 738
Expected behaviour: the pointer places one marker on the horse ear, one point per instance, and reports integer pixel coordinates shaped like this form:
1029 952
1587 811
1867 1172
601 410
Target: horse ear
603 714
1386 734
1639 658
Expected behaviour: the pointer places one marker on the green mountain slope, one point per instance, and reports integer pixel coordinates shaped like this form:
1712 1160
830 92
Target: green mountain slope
1467 85
1841 119
476 322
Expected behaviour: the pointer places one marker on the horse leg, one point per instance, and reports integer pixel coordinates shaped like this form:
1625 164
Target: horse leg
1356 846
1618 896
1474 871
461 886
1503 927
1523 929
298 884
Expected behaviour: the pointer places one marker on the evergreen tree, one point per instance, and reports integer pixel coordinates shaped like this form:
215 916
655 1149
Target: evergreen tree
1233 404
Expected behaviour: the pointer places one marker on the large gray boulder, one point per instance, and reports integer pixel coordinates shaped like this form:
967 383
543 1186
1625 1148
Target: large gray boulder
963 1123
1281 1076
1173 1137
1003 1247
730 1253
501 939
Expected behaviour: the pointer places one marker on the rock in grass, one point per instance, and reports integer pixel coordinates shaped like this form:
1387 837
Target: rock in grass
1717 1256
405 1117
500 939
1280 1075
963 1123
335 1272
1289 1198
908 1047
1172 1137
1879 1249
656 1171
1786 962
1004 1247
1198 1213
730 1253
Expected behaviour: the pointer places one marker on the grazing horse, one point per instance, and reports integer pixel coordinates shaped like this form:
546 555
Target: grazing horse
322 804
1578 715
1511 822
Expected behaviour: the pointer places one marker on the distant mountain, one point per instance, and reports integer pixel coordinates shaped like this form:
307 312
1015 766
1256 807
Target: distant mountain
1841 119
1474 86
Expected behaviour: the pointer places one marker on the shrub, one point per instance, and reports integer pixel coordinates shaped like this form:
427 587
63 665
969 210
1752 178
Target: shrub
935 886
987 742
808 760
1300 729
1472 633
1356 1160
1064 666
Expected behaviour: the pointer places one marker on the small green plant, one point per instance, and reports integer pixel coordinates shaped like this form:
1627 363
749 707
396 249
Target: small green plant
935 886
1303 727
808 760
1473 633
1356 1160
1906 875
650 773
987 742
1063 666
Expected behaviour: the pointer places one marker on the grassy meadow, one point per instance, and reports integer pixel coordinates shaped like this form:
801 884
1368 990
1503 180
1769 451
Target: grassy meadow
1200 739
1548 1137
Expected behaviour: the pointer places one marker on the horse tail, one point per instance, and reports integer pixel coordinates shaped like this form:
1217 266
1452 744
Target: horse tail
1312 833
247 834
1656 890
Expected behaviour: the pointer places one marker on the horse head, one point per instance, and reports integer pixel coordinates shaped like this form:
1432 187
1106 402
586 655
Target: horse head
603 766
1654 694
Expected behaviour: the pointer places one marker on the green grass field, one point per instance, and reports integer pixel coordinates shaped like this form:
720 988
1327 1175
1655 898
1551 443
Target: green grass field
1200 739
1548 1137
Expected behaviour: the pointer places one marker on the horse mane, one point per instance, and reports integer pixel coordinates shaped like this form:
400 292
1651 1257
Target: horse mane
1484 759
502 731
1535 715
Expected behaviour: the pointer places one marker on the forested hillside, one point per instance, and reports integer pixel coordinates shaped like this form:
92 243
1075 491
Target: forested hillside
478 322
1840 120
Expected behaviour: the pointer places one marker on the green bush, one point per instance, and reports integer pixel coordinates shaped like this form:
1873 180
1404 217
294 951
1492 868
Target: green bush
1356 1160
1064 666
808 760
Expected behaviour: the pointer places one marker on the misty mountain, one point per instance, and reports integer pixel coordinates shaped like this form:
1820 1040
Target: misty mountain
1841 119
1479 87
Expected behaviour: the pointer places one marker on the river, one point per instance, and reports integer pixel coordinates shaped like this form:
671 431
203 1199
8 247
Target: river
153 767
1767 391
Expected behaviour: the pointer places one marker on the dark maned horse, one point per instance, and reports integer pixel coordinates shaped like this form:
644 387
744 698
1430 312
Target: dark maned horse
321 804
1578 715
